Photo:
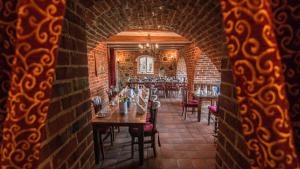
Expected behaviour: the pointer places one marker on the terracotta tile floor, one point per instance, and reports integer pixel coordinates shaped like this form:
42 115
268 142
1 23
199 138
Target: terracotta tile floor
186 144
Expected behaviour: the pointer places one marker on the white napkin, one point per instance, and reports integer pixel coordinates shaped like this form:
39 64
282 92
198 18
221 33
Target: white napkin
142 102
140 109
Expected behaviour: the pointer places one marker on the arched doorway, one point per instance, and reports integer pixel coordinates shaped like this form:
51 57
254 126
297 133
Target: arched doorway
88 25
67 138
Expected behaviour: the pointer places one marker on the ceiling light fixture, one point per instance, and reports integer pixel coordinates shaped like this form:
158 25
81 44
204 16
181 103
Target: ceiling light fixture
149 47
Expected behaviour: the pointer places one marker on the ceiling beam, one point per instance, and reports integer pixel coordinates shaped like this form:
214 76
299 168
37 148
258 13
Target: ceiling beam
143 39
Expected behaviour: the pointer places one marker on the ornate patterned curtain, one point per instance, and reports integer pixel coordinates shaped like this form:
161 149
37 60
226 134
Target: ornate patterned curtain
30 31
262 37
286 21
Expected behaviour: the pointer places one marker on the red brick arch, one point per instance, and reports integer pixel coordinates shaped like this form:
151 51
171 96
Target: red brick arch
87 24
198 21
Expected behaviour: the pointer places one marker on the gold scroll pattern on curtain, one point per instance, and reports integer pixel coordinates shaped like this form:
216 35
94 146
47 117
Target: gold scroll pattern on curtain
286 20
7 47
38 29
259 81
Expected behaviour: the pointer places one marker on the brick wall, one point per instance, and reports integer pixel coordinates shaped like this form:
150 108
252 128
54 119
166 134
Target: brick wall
181 68
168 62
164 64
206 71
69 138
191 54
98 71
231 148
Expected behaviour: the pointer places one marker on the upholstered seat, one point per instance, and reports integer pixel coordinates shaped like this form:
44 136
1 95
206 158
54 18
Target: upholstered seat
148 129
213 109
194 101
148 117
191 104
149 104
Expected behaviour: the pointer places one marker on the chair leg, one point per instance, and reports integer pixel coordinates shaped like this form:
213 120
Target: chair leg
101 146
208 118
185 112
216 125
132 147
112 136
153 145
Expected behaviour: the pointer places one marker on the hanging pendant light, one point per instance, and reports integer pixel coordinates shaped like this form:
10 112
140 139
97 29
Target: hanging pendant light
149 47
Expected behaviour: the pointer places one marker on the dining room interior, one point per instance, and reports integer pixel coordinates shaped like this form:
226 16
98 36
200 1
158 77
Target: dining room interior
149 84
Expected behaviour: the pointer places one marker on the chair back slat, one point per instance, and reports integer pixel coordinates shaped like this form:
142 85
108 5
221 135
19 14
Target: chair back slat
154 111
184 95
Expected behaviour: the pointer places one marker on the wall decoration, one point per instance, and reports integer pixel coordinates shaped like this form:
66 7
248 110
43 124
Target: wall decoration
165 58
99 68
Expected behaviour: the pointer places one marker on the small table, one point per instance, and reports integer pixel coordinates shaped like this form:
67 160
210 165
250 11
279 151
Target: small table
114 118
201 98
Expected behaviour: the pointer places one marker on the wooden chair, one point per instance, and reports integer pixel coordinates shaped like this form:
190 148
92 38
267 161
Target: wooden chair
161 87
213 110
150 130
172 88
108 131
186 103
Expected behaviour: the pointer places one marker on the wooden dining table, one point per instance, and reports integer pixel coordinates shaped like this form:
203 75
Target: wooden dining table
202 98
115 118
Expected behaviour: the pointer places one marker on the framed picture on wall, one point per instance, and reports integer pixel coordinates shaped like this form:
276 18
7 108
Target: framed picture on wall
99 68
165 58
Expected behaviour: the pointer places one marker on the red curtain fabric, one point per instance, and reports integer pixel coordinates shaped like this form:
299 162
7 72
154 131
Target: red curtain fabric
255 48
112 67
7 48
286 20
30 41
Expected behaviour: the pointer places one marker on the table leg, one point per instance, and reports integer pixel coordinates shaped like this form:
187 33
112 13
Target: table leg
199 109
96 145
141 144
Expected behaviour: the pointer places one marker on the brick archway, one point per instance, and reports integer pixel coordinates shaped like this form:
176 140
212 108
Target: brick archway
109 17
87 25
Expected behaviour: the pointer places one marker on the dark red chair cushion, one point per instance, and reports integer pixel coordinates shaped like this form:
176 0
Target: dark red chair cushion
191 104
213 109
148 128
148 117
149 104
194 101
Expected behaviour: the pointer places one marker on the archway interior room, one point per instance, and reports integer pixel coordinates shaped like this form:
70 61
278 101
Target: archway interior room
149 84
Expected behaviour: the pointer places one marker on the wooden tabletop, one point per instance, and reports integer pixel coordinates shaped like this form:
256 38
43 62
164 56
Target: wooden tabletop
116 118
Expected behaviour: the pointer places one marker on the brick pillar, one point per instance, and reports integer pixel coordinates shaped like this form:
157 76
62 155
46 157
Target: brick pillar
231 147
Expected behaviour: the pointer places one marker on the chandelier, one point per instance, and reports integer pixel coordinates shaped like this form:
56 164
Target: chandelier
149 47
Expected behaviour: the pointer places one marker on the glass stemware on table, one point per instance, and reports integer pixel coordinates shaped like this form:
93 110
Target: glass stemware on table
205 92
